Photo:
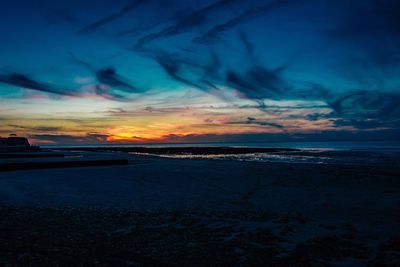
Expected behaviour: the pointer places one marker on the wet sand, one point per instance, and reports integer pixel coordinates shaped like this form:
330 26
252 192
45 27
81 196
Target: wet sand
174 212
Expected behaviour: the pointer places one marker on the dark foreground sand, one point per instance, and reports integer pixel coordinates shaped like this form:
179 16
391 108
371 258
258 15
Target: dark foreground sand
181 212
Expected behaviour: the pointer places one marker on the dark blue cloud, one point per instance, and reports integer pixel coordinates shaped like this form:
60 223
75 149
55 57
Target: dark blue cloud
110 18
249 14
200 76
109 80
247 44
368 124
259 83
367 104
188 23
109 77
251 120
21 80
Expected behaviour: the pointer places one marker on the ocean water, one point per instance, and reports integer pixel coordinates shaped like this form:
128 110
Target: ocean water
337 145
311 156
371 153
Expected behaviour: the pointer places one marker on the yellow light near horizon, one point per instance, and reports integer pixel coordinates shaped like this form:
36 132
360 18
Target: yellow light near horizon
124 135
132 134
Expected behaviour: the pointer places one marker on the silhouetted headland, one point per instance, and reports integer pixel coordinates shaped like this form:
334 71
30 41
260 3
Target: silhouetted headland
16 144
16 153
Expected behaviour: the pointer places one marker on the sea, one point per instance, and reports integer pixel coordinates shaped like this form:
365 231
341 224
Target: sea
365 152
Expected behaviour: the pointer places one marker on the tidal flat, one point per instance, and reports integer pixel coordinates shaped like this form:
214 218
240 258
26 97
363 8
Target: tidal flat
158 211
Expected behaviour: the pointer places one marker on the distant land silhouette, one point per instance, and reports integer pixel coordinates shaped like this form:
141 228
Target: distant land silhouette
15 144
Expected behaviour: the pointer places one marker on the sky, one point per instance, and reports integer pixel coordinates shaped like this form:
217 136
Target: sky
155 71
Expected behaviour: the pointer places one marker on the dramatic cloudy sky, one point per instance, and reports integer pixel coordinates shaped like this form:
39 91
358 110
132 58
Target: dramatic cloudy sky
202 70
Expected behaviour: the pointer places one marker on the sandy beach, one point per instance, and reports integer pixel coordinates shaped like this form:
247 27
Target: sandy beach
202 212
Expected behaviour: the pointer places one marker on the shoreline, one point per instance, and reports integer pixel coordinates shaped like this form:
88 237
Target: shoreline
199 212
220 150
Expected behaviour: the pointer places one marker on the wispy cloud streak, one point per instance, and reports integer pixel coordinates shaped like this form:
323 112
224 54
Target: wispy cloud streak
92 27
187 23
108 80
248 15
21 80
